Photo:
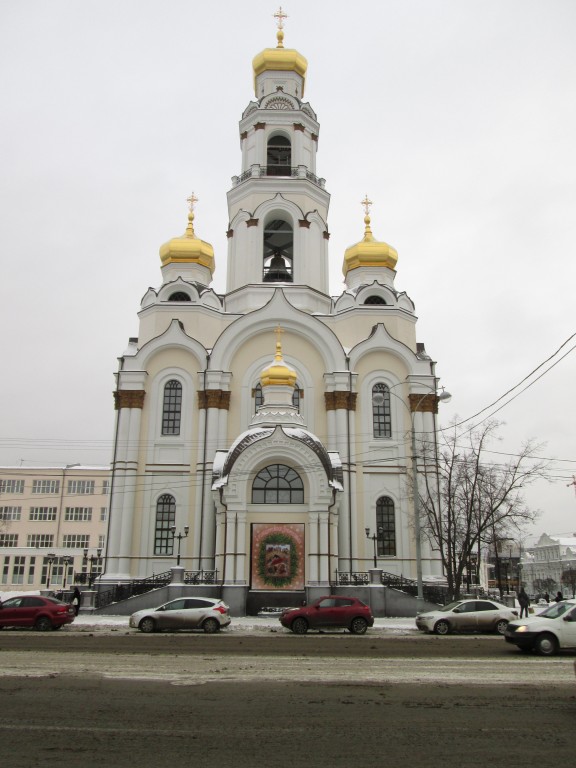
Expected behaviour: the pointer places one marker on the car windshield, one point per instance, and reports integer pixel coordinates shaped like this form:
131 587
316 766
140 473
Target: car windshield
451 606
556 610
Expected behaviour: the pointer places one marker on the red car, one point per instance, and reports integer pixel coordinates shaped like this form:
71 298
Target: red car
329 612
41 613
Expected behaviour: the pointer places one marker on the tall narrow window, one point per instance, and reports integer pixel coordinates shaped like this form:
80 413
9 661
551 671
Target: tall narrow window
277 484
278 252
386 527
165 519
279 156
258 397
296 397
172 408
381 416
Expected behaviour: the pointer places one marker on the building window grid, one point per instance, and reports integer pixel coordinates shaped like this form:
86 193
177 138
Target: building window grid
386 527
18 570
40 540
381 411
31 570
5 570
81 487
11 486
8 539
165 520
75 541
10 513
39 514
103 514
78 514
172 408
105 487
277 484
101 541
45 487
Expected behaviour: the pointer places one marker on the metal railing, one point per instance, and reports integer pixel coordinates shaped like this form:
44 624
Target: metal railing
432 592
287 171
140 586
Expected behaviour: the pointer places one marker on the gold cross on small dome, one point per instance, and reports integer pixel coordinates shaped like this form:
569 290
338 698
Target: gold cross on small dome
280 16
191 201
366 203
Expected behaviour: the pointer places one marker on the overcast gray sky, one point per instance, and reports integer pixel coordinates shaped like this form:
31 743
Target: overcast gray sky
456 117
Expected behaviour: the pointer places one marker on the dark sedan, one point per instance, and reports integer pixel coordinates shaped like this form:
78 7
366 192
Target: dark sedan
41 613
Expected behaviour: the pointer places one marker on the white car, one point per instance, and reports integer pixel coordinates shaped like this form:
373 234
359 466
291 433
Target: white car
467 616
184 613
548 632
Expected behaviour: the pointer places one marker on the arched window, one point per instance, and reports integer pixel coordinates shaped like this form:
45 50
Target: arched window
277 484
278 252
172 408
386 527
381 415
374 300
165 519
279 156
179 296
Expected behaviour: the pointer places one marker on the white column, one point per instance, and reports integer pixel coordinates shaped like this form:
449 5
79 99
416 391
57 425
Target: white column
230 546
240 575
313 547
323 548
135 418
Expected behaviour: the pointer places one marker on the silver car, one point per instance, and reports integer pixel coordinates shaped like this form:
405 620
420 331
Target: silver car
467 616
184 613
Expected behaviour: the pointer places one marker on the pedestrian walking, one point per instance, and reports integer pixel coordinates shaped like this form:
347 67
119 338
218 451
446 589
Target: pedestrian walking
524 602
558 597
76 597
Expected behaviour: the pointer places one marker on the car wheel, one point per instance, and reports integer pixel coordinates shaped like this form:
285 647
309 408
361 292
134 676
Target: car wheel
43 624
147 625
299 626
442 627
501 626
546 645
210 626
59 626
358 626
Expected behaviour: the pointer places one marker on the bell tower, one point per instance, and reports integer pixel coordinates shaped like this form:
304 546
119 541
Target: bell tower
278 206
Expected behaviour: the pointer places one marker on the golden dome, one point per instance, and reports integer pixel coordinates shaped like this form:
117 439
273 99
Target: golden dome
188 248
278 374
369 252
280 59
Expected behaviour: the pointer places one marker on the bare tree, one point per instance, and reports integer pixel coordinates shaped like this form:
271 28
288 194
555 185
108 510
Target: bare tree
472 501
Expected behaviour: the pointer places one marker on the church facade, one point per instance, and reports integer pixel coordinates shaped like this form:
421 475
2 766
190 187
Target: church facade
264 435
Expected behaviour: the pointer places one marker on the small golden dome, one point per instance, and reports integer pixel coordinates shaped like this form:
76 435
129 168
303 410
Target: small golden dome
369 252
278 374
188 248
280 59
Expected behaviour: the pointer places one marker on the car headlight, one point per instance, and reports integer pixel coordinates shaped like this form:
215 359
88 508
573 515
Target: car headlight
521 628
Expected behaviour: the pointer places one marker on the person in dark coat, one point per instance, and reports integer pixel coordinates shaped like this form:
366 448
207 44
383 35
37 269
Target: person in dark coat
76 597
524 602
558 597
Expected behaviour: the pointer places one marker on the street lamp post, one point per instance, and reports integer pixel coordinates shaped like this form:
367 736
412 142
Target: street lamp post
94 561
67 560
443 397
179 536
374 537
50 557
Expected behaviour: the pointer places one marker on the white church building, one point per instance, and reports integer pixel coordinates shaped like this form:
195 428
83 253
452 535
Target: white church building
263 435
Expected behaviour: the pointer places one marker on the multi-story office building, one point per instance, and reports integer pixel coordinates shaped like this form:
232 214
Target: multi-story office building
53 526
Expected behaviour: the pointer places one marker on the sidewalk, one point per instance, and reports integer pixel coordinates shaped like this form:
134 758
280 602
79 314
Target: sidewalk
400 626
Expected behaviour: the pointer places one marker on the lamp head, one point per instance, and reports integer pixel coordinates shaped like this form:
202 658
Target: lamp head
186 529
367 532
444 397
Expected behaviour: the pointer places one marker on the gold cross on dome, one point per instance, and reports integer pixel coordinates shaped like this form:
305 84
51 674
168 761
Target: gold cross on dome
191 201
366 203
280 16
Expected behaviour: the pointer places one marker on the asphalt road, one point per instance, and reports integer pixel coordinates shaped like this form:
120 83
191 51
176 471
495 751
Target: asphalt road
123 698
